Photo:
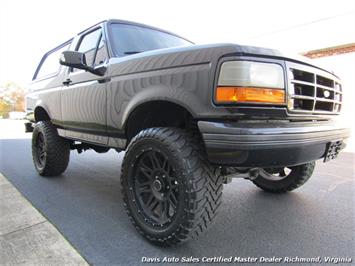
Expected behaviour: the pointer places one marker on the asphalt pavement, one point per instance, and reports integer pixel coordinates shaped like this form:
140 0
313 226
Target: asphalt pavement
85 205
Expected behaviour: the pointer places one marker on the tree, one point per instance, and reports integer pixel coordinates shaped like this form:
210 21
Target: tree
12 98
5 108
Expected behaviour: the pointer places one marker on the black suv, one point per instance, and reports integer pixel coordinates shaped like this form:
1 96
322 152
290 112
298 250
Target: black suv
190 118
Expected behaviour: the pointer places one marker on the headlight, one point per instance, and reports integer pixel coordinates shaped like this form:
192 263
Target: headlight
247 81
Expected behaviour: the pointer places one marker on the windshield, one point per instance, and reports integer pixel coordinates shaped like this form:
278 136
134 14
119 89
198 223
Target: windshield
130 39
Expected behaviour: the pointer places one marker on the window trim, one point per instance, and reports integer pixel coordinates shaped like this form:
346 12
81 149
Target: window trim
101 36
96 48
44 57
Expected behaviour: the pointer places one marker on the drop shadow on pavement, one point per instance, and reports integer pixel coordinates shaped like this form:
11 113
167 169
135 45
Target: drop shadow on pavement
85 204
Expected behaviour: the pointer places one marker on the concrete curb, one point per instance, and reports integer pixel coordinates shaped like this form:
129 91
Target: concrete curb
27 237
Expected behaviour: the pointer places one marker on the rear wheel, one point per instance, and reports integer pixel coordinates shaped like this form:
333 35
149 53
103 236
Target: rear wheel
50 152
170 191
283 179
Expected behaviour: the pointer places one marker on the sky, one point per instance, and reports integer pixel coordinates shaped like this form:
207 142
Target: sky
30 28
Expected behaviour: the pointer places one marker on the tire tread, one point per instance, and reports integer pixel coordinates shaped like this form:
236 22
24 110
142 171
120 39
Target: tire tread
57 150
296 179
204 194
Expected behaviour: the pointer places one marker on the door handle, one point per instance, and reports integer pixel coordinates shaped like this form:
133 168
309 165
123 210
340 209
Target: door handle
67 82
104 80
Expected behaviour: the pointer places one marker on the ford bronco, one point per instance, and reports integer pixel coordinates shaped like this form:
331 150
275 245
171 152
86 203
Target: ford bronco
190 118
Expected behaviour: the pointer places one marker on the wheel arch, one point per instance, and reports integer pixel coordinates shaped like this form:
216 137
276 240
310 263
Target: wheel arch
156 113
41 114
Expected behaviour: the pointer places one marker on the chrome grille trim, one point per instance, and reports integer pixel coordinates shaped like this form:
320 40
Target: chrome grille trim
312 91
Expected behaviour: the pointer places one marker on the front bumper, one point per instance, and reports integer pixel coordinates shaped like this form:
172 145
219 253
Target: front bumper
274 144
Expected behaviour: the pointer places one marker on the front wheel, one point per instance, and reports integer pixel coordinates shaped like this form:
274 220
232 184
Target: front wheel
170 192
284 179
50 152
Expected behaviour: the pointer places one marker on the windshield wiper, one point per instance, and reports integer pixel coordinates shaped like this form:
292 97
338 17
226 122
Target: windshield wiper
132 52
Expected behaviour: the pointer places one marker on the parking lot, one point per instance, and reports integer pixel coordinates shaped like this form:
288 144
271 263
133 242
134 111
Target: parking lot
85 205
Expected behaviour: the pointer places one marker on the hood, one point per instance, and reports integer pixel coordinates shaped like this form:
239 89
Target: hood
198 54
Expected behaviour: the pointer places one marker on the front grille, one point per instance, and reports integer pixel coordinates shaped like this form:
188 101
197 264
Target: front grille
313 91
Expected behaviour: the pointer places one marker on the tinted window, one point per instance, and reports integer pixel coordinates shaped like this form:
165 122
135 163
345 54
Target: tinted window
88 45
130 39
50 66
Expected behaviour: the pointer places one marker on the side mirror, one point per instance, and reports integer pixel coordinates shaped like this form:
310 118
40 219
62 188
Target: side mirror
78 60
73 59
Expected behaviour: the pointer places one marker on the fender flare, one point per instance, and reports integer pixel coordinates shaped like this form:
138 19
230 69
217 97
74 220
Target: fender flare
40 104
148 95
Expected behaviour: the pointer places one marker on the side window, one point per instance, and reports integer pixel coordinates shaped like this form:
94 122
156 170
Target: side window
92 45
50 66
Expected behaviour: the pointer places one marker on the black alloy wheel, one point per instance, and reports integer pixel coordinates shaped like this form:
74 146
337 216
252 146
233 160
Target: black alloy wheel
156 187
50 152
170 192
40 150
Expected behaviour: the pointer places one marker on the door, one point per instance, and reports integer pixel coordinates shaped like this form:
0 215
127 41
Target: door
83 97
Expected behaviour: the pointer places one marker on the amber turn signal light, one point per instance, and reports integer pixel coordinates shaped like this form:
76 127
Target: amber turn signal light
248 94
